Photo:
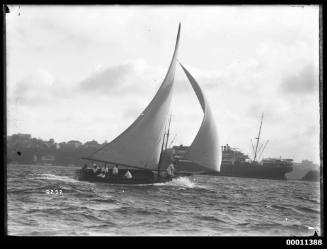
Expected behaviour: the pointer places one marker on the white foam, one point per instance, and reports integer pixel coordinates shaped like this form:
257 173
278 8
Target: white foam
57 178
179 182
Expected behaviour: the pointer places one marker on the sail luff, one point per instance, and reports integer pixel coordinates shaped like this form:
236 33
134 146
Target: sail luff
139 144
205 148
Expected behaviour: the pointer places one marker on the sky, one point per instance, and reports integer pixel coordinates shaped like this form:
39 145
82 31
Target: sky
87 72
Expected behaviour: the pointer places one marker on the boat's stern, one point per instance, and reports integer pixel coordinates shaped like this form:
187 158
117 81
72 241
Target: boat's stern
80 174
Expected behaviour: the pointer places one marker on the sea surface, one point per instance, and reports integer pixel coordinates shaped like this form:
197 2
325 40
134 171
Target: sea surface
188 206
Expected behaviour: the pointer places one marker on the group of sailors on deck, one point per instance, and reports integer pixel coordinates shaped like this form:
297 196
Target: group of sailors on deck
105 171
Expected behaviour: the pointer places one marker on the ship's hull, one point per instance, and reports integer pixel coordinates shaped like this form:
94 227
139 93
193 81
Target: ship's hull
139 177
255 171
247 170
312 175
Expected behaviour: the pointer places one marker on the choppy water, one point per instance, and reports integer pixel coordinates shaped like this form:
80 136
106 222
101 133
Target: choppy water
198 205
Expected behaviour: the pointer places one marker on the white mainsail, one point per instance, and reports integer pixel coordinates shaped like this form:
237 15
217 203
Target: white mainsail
140 144
205 149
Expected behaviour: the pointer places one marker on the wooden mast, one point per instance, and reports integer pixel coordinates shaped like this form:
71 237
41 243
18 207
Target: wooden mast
168 132
160 158
163 146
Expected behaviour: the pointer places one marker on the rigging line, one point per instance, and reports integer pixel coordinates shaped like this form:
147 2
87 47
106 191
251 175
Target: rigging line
252 147
258 139
259 150
172 140
264 147
161 153
168 132
164 144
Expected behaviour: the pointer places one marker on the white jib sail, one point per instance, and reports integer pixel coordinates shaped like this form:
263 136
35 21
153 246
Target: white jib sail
140 144
205 149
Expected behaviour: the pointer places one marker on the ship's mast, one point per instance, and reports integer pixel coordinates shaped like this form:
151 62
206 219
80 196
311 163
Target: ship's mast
168 132
163 146
258 138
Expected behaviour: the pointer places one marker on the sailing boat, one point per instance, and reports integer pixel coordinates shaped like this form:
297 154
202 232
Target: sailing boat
139 147
142 144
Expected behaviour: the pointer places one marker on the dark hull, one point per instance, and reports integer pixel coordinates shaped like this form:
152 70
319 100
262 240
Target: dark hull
138 177
247 170
312 175
255 172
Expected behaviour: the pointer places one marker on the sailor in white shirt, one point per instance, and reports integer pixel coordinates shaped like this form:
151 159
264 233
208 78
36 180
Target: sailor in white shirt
115 170
103 172
95 168
171 170
128 175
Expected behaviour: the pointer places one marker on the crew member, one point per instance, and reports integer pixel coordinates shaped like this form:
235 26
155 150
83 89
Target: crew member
115 170
95 168
171 170
128 175
103 170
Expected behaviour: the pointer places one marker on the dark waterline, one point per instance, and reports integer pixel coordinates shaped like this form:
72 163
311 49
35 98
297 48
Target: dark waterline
198 205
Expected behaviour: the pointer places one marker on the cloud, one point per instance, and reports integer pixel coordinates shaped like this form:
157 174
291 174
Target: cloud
108 81
34 89
274 112
132 78
38 88
303 82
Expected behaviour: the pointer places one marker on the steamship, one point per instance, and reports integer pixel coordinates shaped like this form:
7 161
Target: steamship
235 163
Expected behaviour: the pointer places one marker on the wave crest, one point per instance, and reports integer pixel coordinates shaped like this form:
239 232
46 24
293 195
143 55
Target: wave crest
178 182
56 178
